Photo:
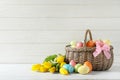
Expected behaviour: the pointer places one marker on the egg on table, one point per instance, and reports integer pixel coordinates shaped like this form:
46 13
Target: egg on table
63 71
83 70
72 63
77 66
88 64
69 68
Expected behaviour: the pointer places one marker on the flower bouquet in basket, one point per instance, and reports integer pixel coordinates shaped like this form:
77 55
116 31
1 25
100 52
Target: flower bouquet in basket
80 57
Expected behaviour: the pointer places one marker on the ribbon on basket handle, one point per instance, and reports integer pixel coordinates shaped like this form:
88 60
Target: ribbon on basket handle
101 46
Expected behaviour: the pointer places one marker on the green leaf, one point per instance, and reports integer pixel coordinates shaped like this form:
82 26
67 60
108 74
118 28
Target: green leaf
57 67
51 57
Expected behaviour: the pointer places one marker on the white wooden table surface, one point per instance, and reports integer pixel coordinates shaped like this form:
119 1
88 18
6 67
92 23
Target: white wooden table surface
23 72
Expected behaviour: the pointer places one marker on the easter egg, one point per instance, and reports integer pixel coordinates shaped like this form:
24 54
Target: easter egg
63 71
72 63
73 46
79 45
66 66
107 42
90 43
77 66
73 43
83 70
61 65
87 63
71 69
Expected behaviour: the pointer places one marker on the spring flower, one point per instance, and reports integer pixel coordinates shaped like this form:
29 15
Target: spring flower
36 67
60 59
52 69
43 69
47 65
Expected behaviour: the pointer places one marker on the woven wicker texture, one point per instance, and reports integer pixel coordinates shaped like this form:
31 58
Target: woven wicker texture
100 63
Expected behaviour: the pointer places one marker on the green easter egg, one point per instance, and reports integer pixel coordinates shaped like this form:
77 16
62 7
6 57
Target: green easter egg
77 66
73 46
73 43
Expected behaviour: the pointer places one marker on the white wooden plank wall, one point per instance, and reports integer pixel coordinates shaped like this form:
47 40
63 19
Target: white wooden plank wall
33 29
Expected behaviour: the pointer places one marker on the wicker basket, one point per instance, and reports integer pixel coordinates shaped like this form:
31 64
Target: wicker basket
100 63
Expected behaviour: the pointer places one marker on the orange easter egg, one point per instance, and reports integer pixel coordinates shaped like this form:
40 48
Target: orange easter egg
90 43
87 63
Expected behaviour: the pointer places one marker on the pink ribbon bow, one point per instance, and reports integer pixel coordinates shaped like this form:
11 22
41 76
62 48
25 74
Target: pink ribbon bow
101 46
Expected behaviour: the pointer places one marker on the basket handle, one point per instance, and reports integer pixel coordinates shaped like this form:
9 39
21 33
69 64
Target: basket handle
90 36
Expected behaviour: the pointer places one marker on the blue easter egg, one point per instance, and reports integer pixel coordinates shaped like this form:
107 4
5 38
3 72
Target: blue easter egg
71 69
66 66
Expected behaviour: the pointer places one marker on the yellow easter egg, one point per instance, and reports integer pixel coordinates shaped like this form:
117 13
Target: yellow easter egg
107 42
61 65
63 71
73 46
83 70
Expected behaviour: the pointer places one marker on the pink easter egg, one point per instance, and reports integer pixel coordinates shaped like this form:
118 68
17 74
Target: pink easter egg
79 45
72 63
